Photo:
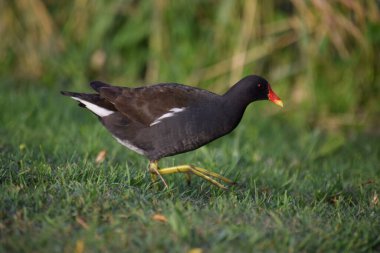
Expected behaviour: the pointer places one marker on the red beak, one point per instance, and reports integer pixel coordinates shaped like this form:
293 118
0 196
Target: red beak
274 98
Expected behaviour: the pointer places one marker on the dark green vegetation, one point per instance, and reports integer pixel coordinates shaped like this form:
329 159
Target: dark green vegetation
308 175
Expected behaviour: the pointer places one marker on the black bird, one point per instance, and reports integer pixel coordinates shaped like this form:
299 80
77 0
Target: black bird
168 118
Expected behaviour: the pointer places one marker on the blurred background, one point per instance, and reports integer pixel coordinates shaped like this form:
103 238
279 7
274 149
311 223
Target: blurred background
321 57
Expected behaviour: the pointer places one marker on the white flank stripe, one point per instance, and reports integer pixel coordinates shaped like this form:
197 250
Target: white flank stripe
100 111
175 110
169 114
130 146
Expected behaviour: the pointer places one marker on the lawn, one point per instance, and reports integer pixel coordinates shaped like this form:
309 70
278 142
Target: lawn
308 175
301 187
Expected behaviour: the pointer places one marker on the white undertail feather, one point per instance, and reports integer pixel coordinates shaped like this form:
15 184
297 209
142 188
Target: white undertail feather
172 112
100 111
130 146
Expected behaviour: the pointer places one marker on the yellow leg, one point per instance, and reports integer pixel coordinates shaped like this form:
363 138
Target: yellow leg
213 174
153 168
205 174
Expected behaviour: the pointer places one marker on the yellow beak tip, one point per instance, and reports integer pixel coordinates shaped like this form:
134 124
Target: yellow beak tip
279 103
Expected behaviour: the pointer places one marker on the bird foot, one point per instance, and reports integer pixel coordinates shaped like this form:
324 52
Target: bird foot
153 169
188 170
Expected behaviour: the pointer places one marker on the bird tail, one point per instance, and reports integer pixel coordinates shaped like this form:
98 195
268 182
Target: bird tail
96 85
100 106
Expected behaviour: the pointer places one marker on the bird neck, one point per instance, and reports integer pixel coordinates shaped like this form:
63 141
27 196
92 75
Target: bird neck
239 96
236 100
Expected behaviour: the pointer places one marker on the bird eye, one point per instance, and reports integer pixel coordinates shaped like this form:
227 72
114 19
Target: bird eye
259 85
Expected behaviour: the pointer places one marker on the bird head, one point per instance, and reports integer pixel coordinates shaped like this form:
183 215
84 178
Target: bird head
263 91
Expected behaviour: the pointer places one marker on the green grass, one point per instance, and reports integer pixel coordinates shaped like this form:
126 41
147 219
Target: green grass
308 174
301 189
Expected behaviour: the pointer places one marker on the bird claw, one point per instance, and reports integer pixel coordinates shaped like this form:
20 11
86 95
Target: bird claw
153 169
188 170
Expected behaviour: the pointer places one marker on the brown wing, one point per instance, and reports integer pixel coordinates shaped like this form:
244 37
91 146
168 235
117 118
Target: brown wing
146 104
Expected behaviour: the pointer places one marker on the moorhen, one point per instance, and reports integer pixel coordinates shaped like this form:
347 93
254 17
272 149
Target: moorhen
168 118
